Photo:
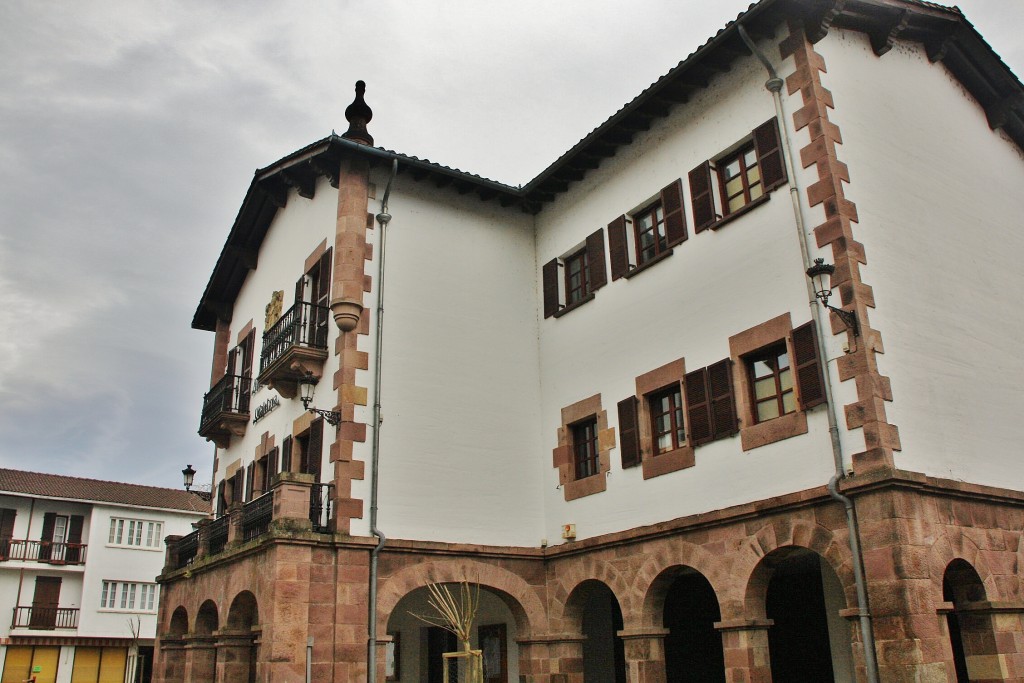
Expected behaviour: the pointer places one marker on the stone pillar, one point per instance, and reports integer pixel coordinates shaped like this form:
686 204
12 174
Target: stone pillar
291 500
551 658
203 545
350 243
169 664
235 656
645 654
200 657
745 645
171 553
234 515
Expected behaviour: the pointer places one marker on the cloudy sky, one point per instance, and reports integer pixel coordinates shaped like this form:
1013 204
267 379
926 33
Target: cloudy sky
130 129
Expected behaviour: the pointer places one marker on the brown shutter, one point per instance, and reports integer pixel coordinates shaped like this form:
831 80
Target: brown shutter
238 486
46 547
550 274
810 385
222 503
7 516
45 602
629 435
298 289
675 217
316 446
723 404
701 198
769 155
595 261
698 407
271 468
617 247
323 296
250 480
232 366
73 554
286 455
245 384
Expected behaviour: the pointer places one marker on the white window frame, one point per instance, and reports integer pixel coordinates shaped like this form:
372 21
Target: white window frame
128 596
128 533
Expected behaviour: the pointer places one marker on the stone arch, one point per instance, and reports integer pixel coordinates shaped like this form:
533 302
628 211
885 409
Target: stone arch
955 545
178 626
520 597
207 619
655 576
243 613
779 540
571 577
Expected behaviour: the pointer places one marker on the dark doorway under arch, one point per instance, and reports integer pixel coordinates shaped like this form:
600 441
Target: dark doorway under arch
693 647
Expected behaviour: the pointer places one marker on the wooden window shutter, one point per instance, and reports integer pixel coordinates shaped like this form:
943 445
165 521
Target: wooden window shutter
232 367
550 276
675 217
286 455
698 407
617 247
299 289
49 520
769 155
723 403
810 385
316 446
7 516
324 284
238 486
629 434
701 197
245 384
73 554
222 503
271 468
595 261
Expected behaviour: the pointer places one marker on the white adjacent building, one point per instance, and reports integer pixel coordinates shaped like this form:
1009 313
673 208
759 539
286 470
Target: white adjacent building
78 566
611 398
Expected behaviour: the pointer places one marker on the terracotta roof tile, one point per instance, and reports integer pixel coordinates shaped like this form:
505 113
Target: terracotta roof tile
59 486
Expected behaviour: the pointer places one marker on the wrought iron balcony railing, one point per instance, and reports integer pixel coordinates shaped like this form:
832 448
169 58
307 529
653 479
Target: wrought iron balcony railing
303 325
229 395
186 549
217 535
42 551
256 516
45 618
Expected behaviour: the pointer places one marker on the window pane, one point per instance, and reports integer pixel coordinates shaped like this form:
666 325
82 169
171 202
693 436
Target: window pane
767 410
762 369
113 528
786 379
764 388
750 157
732 169
159 529
789 402
755 192
783 360
131 595
734 186
138 533
753 175
120 531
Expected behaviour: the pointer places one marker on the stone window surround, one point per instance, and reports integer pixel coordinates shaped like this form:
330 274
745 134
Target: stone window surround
563 458
752 433
647 384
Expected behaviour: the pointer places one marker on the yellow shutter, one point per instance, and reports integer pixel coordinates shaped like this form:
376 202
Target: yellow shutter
112 665
46 659
17 664
87 665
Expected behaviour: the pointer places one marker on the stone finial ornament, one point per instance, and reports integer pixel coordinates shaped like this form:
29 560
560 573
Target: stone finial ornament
358 114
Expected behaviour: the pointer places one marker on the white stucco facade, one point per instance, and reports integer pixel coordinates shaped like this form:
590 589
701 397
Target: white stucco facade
89 611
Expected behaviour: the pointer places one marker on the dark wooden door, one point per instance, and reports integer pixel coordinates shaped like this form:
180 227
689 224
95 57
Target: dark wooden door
439 641
495 652
45 602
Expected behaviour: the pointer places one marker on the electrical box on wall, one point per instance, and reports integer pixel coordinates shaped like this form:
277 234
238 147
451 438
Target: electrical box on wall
569 532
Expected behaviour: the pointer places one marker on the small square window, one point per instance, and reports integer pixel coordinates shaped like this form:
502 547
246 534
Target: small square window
771 383
666 408
584 448
739 178
649 232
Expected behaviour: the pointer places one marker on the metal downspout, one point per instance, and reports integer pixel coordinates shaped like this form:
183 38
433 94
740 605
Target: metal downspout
774 86
383 218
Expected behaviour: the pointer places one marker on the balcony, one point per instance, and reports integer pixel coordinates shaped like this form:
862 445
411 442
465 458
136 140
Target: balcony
295 346
225 410
295 503
42 551
45 618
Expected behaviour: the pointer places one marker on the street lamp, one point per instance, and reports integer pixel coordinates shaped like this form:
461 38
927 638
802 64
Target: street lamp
821 275
307 384
189 474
